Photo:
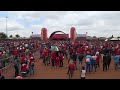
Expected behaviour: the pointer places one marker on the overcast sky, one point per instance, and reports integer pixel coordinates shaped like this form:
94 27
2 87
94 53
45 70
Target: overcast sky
96 23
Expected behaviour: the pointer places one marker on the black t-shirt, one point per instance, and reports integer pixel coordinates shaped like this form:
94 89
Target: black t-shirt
81 56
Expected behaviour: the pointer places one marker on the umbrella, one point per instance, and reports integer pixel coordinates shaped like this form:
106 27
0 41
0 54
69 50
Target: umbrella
54 48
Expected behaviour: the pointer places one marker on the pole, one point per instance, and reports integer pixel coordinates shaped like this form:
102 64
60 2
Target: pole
6 27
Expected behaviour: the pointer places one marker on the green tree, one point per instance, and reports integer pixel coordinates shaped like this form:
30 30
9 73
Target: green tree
17 36
11 36
3 35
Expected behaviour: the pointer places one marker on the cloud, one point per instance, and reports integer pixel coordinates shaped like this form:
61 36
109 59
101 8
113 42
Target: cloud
96 23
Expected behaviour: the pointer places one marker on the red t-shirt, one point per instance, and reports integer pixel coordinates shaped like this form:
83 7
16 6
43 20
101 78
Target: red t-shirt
57 62
24 67
15 52
71 67
61 57
53 55
31 59
22 59
46 54
98 58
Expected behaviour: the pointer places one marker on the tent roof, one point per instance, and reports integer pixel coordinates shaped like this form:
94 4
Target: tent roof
114 39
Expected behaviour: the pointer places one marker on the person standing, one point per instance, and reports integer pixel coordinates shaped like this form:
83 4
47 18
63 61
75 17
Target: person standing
88 62
80 58
16 65
74 58
53 58
98 61
61 57
93 62
116 61
109 60
57 61
83 73
71 68
105 62
4 58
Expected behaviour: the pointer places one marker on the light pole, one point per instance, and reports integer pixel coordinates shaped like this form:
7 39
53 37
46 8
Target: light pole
6 27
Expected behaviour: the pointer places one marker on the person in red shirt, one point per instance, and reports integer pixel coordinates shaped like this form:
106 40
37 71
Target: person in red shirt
71 68
22 59
31 62
57 61
98 60
61 57
53 58
15 52
24 69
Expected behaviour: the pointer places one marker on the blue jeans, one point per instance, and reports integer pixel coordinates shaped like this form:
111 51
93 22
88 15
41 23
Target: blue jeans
116 65
31 70
87 67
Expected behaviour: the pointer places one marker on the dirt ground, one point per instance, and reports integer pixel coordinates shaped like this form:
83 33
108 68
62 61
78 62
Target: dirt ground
48 72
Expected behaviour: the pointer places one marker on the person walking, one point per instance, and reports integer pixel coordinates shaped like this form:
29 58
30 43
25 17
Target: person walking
116 61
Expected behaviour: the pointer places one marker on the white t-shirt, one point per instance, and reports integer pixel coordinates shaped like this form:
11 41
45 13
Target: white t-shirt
83 72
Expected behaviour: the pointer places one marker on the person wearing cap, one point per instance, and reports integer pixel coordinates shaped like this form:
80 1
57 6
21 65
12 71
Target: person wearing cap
83 73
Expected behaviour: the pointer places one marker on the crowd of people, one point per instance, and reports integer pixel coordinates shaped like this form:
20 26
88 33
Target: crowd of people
78 52
20 53
92 53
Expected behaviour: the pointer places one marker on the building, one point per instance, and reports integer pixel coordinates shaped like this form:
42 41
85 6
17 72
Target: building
81 37
35 36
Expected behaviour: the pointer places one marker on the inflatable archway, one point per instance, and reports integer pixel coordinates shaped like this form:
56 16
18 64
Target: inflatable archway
55 33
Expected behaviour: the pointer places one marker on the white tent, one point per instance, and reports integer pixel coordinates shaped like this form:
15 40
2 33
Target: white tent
115 39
